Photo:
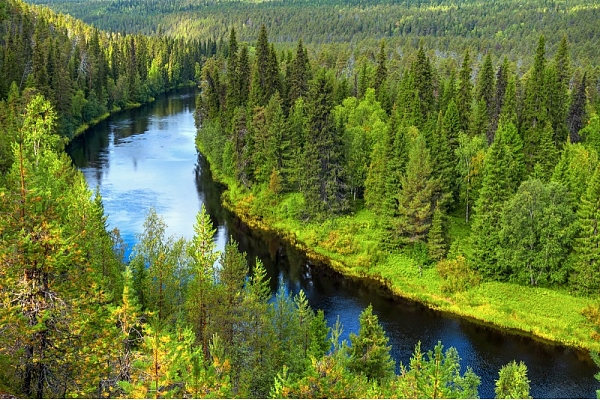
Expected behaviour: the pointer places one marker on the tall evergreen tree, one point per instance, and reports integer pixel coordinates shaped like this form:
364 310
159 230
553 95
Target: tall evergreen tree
576 114
502 174
464 96
437 241
299 77
422 75
586 268
370 353
501 85
415 199
324 186
534 114
486 85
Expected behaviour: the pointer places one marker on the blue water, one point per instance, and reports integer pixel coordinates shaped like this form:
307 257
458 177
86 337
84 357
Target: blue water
146 158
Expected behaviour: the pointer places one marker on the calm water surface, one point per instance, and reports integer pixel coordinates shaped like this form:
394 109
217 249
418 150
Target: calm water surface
146 158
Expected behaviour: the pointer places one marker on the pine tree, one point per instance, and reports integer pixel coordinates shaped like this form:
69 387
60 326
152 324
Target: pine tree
512 382
203 256
436 375
370 353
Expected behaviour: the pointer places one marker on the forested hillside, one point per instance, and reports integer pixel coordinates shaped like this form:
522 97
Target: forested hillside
86 73
468 180
509 27
440 179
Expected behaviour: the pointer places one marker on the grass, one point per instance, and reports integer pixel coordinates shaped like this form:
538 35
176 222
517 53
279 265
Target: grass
353 245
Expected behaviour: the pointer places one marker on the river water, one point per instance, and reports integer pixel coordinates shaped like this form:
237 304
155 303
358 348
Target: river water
146 158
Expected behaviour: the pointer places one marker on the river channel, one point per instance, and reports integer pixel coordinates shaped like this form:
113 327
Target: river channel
146 158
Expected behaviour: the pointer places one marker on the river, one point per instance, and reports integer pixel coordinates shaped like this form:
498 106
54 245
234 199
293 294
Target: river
146 158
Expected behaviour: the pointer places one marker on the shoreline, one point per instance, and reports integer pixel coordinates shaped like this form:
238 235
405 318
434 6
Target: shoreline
83 128
444 304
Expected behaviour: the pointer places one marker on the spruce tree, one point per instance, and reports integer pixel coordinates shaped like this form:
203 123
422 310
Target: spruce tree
437 241
464 97
443 162
501 85
299 76
415 207
534 113
574 170
324 184
486 86
370 353
586 268
381 72
422 75
501 177
576 114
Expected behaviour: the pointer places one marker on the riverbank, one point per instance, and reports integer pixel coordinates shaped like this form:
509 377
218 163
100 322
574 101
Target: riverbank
81 129
352 246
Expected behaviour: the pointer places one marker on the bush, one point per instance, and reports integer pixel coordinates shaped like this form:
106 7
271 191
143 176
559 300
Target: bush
456 275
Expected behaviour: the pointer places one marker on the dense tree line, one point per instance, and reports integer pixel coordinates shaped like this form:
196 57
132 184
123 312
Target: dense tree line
516 154
83 72
507 26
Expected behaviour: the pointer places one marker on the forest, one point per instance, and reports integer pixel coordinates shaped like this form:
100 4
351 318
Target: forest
478 170
510 27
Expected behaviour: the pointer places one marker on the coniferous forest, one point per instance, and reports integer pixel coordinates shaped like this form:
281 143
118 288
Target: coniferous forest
457 165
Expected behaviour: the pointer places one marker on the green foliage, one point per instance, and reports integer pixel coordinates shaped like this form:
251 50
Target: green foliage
369 352
456 274
536 235
586 246
437 241
512 382
436 375
415 199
